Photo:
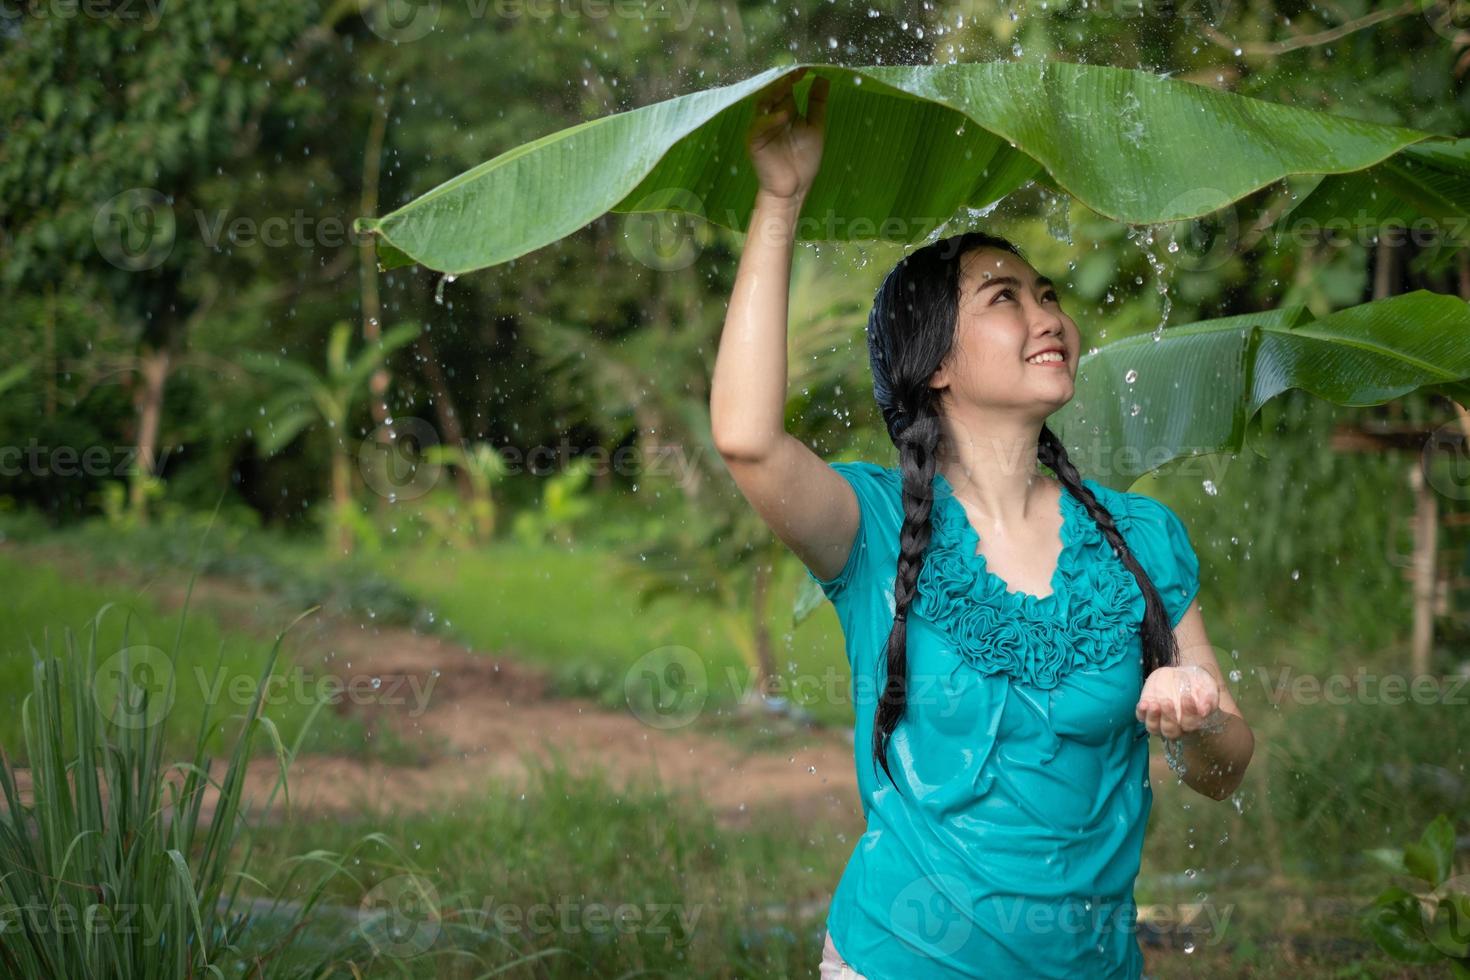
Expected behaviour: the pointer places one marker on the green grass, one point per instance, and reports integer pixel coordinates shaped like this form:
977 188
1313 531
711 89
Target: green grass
570 842
543 860
1328 781
97 882
294 569
214 666
565 610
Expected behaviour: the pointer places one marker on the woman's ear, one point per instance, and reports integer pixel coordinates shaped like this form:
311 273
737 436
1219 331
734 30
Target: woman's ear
939 380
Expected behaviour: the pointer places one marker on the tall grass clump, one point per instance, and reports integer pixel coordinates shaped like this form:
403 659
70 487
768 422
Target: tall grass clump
110 866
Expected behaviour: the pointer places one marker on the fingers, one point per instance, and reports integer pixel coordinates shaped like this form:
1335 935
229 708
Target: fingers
816 102
779 89
772 118
1152 714
778 98
1159 717
1169 724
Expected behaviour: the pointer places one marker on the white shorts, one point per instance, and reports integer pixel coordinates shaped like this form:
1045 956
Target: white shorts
834 967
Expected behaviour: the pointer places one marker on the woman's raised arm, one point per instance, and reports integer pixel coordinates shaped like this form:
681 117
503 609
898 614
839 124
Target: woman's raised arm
806 503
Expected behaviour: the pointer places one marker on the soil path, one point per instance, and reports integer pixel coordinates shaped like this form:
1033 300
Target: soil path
468 722
472 722
477 719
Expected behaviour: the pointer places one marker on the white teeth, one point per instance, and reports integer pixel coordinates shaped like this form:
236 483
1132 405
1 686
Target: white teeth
1048 356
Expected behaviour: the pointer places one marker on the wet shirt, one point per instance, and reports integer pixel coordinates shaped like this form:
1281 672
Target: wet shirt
1011 845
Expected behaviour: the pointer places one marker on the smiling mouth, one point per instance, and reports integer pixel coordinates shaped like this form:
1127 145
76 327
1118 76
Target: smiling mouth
1049 358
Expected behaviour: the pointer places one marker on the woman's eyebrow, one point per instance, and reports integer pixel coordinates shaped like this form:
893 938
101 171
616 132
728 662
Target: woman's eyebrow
1041 282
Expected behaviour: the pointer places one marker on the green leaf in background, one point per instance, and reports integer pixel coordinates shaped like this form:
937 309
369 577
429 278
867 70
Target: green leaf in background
1423 190
1143 402
1390 858
1434 853
1449 926
906 149
1396 925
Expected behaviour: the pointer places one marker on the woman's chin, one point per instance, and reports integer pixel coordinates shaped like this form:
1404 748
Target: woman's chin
1061 393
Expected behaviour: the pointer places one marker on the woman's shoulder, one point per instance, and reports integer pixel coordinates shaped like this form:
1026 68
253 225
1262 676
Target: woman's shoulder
1157 535
866 469
1131 509
876 485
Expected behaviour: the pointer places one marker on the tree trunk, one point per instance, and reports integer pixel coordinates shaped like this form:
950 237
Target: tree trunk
342 497
49 371
1426 540
444 410
372 307
765 660
148 399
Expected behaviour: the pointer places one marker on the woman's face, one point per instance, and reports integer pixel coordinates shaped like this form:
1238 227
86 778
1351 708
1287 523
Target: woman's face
1008 314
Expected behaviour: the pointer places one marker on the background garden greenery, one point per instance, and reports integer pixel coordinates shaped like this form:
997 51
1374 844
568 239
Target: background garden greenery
285 121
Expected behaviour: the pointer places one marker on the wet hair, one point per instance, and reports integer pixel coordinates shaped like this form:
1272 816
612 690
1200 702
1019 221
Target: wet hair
911 330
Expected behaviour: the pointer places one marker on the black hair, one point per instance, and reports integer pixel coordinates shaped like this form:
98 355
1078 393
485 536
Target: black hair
911 331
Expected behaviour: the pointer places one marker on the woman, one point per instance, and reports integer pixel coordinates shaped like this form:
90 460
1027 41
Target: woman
1014 637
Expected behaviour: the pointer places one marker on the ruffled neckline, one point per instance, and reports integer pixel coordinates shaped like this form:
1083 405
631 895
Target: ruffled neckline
1095 602
952 525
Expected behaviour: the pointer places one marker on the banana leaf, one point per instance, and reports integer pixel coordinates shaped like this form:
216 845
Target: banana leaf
1141 403
907 149
1418 195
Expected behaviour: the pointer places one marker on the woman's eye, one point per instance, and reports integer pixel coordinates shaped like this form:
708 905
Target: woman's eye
1050 294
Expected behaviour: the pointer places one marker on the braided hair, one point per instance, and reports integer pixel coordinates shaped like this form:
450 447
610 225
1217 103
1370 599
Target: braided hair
910 332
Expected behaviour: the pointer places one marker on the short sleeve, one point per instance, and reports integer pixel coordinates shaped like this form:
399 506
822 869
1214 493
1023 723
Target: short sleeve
1164 548
874 490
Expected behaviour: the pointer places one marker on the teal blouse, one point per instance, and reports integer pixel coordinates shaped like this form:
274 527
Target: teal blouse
1013 847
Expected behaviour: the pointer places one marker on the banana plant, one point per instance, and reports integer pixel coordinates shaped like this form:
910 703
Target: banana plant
564 503
909 147
308 397
1149 400
483 465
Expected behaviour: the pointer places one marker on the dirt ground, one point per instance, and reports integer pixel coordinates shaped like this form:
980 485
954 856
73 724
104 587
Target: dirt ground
465 719
474 717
